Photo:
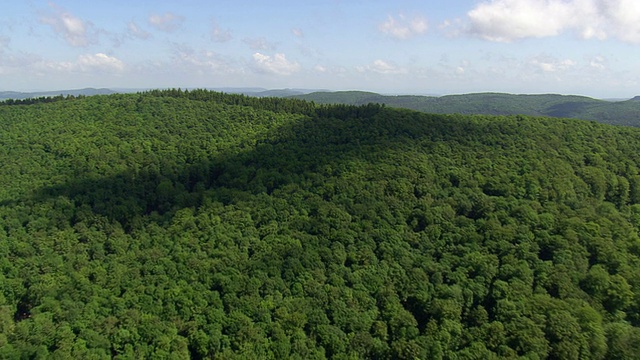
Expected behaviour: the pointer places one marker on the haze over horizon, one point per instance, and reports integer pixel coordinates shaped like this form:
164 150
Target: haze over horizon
583 47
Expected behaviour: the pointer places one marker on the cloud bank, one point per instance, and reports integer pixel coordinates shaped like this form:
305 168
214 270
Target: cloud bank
509 20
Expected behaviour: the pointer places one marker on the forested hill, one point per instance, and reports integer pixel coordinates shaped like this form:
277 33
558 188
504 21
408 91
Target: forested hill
29 95
200 225
563 106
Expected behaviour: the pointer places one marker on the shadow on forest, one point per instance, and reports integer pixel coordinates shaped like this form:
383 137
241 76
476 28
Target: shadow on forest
317 146
568 109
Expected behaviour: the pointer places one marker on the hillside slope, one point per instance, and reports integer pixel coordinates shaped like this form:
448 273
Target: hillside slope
564 106
203 225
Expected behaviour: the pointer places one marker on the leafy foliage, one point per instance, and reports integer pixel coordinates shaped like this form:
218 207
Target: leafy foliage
177 224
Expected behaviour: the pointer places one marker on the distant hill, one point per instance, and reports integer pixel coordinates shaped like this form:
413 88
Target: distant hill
567 106
261 92
27 95
249 91
279 93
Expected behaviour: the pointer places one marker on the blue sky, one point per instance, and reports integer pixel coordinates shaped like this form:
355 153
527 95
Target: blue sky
586 47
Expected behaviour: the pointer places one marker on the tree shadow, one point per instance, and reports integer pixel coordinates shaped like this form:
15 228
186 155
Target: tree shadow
322 144
571 109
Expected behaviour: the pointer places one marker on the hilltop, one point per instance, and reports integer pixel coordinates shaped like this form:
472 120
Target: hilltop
197 224
566 106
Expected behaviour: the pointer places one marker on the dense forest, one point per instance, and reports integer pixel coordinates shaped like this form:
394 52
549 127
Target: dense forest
625 112
195 224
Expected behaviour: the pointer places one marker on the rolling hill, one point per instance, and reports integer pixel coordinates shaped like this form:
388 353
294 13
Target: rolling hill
566 106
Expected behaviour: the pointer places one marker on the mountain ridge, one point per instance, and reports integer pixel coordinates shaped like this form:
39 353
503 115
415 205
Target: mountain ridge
626 112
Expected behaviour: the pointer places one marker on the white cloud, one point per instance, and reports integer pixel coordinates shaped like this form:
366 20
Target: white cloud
202 62
452 28
135 31
297 32
167 22
623 19
508 20
99 61
382 67
549 65
277 64
260 43
74 30
598 63
325 70
218 34
404 27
